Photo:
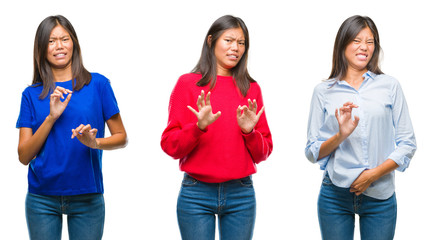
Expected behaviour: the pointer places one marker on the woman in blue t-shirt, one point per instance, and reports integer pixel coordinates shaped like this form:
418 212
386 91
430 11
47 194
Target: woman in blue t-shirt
62 121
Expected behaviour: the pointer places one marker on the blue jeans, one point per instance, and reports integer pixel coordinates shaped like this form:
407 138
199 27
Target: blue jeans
337 208
85 212
234 202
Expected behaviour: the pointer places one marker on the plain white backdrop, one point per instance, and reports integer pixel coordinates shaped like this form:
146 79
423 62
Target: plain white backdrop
144 46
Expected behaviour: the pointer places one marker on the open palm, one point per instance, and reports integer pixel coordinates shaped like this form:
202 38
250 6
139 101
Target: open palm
204 115
248 117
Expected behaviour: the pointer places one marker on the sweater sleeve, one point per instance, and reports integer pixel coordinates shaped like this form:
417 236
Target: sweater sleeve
181 134
259 141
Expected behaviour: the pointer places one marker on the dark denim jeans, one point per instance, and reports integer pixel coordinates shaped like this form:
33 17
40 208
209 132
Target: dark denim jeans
234 202
337 208
86 214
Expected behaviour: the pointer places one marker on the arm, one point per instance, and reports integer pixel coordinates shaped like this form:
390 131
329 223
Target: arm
404 134
182 133
346 127
87 135
369 176
30 144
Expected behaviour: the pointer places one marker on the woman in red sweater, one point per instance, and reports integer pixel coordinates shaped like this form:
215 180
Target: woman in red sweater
218 145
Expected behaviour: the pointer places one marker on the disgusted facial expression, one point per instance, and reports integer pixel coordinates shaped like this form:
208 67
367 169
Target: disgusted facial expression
229 49
360 51
60 48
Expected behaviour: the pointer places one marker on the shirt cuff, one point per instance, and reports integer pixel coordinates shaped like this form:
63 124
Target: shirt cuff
402 162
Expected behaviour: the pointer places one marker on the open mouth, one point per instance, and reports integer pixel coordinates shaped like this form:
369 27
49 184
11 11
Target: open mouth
362 56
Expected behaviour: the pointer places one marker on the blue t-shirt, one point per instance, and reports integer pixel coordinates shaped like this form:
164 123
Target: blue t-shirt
65 166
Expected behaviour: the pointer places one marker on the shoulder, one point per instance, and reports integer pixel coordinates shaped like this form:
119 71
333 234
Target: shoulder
188 80
324 86
386 78
254 87
99 78
33 90
99 82
387 81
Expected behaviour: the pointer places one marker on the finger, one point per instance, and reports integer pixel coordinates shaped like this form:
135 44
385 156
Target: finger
74 134
217 115
239 112
336 113
202 98
86 128
193 110
260 112
208 99
356 121
56 95
93 131
78 129
250 104
254 106
347 103
198 102
68 98
59 91
63 90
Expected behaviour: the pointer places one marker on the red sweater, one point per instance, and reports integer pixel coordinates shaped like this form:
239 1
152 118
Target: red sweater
221 152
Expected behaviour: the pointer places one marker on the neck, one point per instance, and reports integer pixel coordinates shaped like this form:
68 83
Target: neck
354 76
62 74
224 72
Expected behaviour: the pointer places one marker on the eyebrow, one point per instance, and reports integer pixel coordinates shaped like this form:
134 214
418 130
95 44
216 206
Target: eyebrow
64 36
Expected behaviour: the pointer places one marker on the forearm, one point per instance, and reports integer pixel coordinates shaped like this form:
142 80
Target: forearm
259 145
30 144
383 169
369 176
330 145
180 142
115 141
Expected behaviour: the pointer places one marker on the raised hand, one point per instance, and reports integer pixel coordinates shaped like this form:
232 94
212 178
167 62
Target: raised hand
56 105
86 134
345 122
247 117
204 115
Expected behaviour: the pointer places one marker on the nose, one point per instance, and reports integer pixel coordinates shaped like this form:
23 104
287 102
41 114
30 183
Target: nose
59 44
234 46
363 45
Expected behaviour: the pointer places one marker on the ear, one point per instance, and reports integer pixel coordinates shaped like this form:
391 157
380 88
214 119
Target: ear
209 40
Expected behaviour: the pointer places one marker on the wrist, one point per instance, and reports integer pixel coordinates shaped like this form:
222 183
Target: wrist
202 128
341 137
246 131
50 118
97 144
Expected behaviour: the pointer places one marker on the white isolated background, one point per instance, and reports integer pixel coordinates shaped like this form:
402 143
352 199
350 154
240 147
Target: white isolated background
144 46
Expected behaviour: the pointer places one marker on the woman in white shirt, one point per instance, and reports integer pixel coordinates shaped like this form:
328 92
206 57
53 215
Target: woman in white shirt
359 131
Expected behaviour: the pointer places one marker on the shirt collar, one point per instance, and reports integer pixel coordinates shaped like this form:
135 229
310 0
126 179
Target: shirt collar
367 75
370 75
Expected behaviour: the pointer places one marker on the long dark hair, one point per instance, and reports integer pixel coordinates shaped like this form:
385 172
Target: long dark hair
42 73
347 32
207 65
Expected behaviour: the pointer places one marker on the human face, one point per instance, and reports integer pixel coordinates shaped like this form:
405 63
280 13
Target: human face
229 49
60 48
360 51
